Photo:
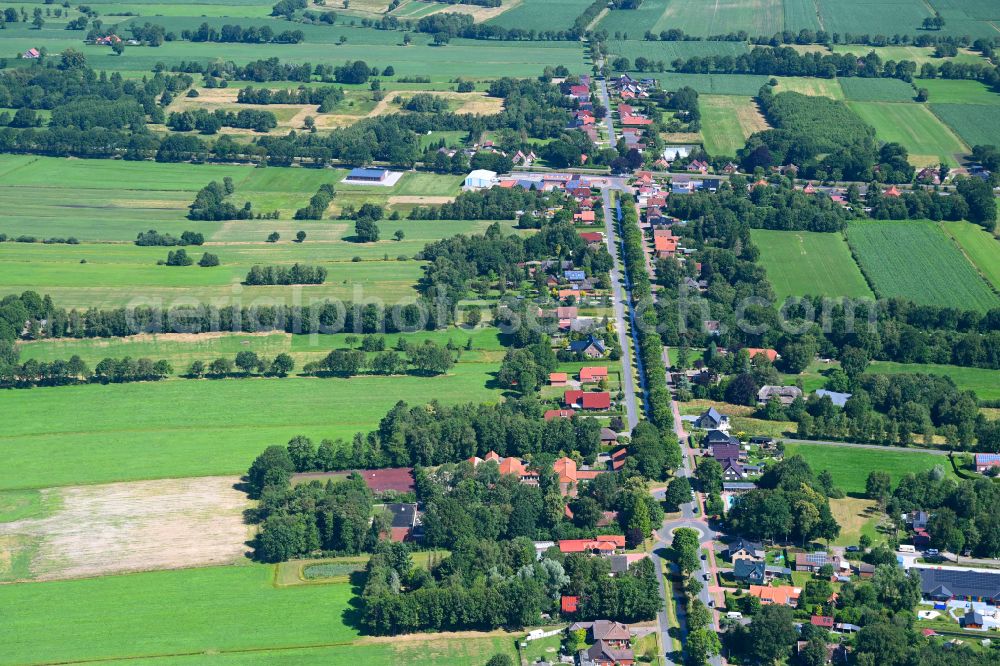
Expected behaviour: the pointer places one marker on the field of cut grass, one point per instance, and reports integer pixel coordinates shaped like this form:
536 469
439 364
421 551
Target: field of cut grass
169 613
804 263
855 517
977 124
850 466
928 141
916 260
810 86
727 121
93 434
983 381
876 90
757 17
982 248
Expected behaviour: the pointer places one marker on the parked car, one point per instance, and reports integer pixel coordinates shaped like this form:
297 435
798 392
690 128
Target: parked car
707 577
932 552
853 549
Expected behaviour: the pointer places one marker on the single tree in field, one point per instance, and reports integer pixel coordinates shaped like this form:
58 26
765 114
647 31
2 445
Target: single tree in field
399 234
273 237
300 236
247 361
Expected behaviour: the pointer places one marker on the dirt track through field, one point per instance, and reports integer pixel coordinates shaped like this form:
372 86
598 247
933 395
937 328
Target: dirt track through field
137 526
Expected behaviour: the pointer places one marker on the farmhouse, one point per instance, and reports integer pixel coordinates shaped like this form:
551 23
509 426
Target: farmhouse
786 395
960 584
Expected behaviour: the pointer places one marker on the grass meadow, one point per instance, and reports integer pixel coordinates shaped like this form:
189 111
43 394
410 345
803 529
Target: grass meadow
977 124
669 51
805 263
541 15
928 141
94 433
850 466
916 260
814 87
727 122
918 54
958 91
117 617
983 381
980 246
757 17
745 85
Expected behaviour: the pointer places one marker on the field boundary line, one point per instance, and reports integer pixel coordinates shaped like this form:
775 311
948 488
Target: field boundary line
965 254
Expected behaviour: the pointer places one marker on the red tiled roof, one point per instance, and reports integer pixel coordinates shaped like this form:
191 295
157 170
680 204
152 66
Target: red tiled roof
600 400
593 373
570 604
399 479
606 543
558 414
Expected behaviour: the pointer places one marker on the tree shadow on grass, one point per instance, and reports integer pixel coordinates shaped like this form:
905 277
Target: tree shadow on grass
354 612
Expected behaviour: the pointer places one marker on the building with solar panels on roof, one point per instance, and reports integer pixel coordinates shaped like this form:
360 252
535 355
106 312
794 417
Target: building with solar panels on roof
944 585
987 461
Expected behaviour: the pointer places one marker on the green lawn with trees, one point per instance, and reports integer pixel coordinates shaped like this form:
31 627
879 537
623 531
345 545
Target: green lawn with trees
850 466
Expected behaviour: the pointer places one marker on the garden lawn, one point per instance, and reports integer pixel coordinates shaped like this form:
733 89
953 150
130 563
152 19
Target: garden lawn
977 124
188 611
94 433
915 259
850 466
807 263
912 125
983 381
855 517
982 248
727 121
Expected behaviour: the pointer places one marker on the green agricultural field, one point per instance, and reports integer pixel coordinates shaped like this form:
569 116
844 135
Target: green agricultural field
541 15
727 121
94 434
180 349
916 260
137 615
669 51
917 54
472 59
957 91
111 200
850 466
859 89
928 141
746 85
977 124
119 275
810 86
804 263
985 383
982 248
757 17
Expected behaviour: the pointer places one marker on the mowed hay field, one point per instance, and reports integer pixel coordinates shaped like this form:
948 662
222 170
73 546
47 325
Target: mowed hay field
540 15
72 435
806 263
181 612
912 125
980 246
813 87
727 121
850 465
916 260
757 17
121 527
985 383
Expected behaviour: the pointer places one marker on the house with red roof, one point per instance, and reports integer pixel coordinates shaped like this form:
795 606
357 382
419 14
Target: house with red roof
569 604
592 237
593 374
558 414
770 354
587 399
585 217
601 545
558 378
